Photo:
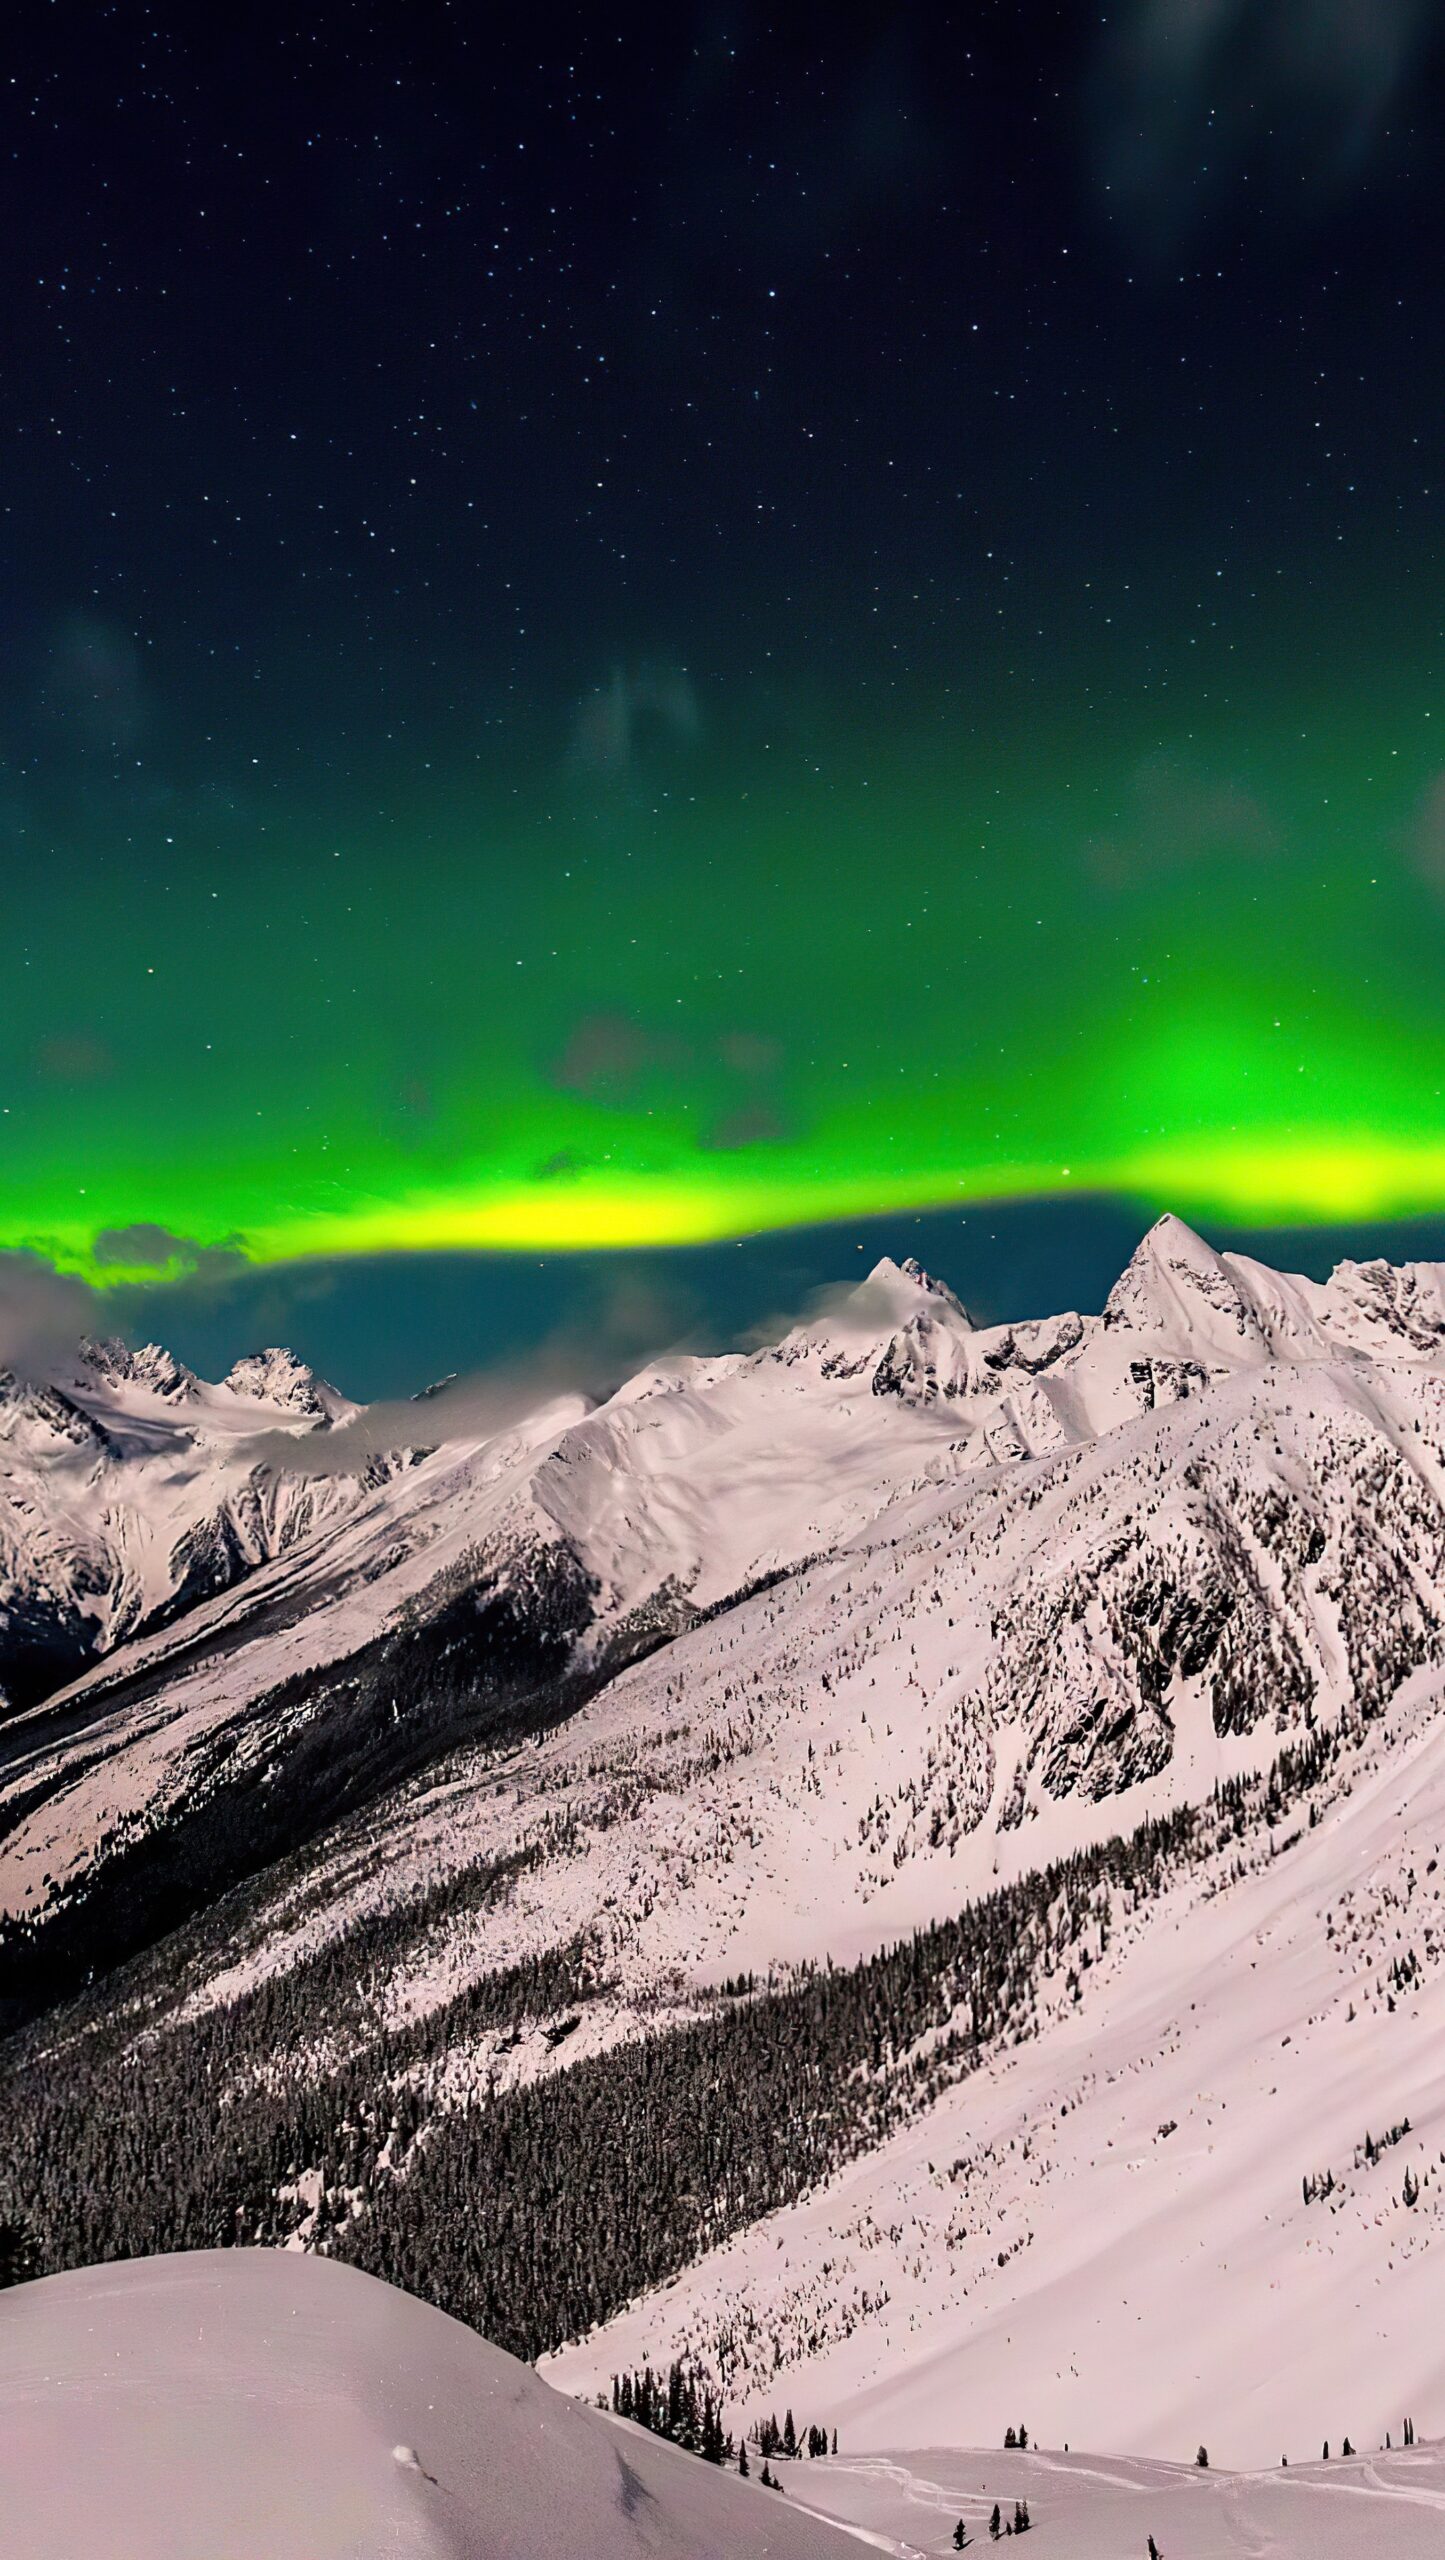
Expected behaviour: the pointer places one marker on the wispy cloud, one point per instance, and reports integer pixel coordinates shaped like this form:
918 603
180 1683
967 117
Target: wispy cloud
144 1247
631 1317
1187 93
1425 835
1174 815
633 709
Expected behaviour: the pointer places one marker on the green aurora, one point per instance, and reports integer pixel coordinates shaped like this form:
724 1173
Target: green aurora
1200 977
632 635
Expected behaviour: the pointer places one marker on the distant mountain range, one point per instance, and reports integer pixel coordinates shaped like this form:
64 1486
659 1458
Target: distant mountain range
424 1782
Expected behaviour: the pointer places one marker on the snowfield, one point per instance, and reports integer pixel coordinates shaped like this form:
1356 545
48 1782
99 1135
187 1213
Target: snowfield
1086 2507
245 2405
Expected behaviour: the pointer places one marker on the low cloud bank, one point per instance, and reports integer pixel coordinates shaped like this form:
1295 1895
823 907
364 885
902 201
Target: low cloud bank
44 1314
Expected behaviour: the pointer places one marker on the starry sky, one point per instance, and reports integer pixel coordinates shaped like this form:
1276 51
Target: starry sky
672 643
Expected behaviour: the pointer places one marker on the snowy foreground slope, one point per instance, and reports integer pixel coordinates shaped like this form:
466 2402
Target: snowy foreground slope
242 2405
255 2406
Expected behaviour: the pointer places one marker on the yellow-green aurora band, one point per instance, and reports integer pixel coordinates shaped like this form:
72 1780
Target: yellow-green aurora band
867 989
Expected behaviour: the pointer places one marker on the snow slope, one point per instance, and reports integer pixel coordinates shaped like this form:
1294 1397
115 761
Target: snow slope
1105 2232
245 2405
1090 2507
248 2405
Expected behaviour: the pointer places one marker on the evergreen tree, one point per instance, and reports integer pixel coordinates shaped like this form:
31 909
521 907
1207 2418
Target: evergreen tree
790 2437
995 2523
1202 2457
1347 2448
1021 2515
743 2459
1010 2439
19 2251
1153 2548
835 2439
960 2536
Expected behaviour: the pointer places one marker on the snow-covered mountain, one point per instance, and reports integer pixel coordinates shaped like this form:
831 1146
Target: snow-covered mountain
130 1490
583 1739
1027 1570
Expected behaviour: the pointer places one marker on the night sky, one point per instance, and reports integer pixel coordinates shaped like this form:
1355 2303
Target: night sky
624 631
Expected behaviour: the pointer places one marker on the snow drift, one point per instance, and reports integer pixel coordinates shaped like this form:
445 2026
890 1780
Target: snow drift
247 2405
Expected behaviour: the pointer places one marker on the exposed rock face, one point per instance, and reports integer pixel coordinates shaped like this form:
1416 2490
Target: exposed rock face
151 1369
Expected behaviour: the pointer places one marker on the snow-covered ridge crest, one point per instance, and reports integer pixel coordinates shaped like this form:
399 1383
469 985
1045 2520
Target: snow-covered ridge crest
151 1369
1228 1307
432 2443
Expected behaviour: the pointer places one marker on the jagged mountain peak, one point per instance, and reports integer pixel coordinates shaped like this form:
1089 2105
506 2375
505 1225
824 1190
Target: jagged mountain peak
1171 1246
906 1282
1226 1307
892 1315
1177 1287
276 1376
152 1368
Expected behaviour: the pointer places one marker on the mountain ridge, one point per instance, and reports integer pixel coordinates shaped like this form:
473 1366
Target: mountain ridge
1087 1554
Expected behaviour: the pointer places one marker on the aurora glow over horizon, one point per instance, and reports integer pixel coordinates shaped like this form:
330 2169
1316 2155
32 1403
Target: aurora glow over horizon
618 640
